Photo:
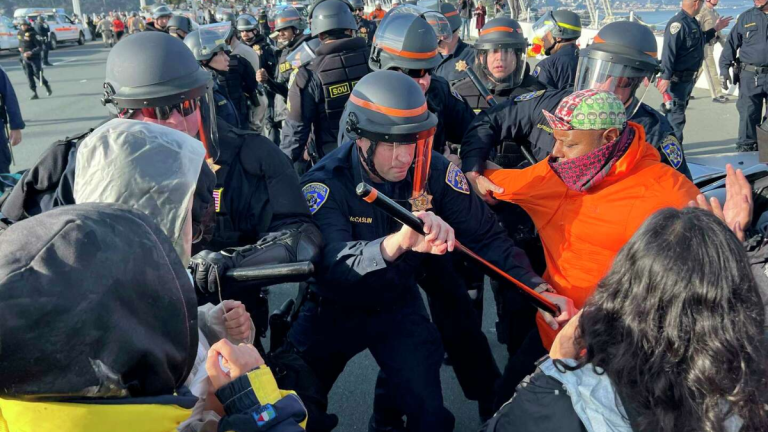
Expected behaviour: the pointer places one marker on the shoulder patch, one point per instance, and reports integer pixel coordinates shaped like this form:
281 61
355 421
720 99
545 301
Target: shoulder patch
529 96
675 27
456 180
264 415
671 148
457 95
536 71
316 194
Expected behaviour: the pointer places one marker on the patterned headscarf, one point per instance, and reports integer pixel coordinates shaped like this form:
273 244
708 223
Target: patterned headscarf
588 110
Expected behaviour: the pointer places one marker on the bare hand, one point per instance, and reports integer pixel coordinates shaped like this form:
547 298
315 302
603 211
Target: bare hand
567 310
564 345
27 54
439 237
261 76
483 187
237 320
722 23
240 360
662 85
737 212
15 137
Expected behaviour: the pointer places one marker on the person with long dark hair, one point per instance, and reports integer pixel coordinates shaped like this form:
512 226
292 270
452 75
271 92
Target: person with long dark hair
671 340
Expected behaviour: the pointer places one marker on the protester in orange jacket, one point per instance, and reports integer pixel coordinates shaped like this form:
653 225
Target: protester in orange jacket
377 14
601 182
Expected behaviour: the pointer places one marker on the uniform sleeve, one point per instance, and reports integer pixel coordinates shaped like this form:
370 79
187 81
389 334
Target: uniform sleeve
279 88
670 43
248 76
301 111
545 75
732 45
709 35
489 128
11 102
38 44
457 117
477 228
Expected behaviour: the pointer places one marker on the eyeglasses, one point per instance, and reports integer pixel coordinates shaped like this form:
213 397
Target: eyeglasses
185 108
415 73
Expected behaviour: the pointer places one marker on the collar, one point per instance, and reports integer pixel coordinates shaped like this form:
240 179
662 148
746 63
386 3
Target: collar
637 151
341 45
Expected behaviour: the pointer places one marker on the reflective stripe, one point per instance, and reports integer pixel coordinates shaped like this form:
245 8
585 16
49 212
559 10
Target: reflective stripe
395 112
568 26
498 29
408 54
451 13
598 39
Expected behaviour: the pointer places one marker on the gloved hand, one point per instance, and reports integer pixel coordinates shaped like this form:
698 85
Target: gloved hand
208 269
725 79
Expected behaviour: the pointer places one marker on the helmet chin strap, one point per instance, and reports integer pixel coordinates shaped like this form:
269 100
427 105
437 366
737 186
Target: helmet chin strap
368 159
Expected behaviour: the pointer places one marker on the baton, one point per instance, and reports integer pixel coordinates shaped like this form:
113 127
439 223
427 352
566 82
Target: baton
10 146
396 211
492 103
278 273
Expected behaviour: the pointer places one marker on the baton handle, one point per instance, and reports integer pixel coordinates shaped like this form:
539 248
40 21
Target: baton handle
396 211
279 273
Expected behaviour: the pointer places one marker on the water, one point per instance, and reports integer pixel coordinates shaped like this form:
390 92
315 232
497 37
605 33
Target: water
660 18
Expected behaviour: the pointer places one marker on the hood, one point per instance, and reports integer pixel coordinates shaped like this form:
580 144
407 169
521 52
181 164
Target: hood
145 166
95 302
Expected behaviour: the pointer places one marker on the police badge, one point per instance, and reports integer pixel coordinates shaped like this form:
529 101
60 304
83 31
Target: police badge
456 180
671 148
316 194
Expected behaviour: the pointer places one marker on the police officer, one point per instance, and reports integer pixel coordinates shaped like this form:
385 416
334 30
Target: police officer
457 54
365 294
365 28
179 26
213 55
41 27
500 62
625 46
264 23
247 28
11 122
559 31
681 58
252 34
750 38
31 47
289 29
318 91
160 17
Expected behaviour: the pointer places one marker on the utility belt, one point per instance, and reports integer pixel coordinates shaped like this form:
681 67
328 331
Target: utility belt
755 69
683 76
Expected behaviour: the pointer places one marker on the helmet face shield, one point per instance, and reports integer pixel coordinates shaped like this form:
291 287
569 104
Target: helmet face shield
501 66
214 37
621 80
407 157
544 25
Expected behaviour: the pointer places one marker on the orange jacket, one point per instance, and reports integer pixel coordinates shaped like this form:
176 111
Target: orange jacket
377 15
582 232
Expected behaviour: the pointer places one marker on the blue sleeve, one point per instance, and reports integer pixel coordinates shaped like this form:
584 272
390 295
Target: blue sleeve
732 45
670 44
545 73
458 115
298 125
489 128
11 102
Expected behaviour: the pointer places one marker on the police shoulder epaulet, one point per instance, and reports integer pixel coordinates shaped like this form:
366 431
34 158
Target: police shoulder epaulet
457 95
316 195
456 180
671 148
529 96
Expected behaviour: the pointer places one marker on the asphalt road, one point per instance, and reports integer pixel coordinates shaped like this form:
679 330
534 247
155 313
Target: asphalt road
77 79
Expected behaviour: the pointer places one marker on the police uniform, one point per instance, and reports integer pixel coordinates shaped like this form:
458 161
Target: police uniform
359 301
29 42
454 115
750 38
681 58
44 31
365 29
239 85
282 75
467 89
10 112
558 71
317 95
450 68
225 109
521 120
268 62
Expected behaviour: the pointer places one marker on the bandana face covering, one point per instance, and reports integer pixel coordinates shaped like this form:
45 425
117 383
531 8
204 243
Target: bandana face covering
584 172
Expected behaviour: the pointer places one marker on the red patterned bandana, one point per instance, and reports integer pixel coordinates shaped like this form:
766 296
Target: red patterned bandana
582 173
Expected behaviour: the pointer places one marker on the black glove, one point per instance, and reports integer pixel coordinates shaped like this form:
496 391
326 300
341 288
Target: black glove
208 269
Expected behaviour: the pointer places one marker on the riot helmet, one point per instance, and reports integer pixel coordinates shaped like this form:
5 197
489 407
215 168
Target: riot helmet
161 11
246 22
553 25
501 53
405 42
288 18
179 26
452 14
388 117
621 59
168 87
207 42
328 15
358 8
438 21
225 16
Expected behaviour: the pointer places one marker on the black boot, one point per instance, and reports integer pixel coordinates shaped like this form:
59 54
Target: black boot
48 89
34 95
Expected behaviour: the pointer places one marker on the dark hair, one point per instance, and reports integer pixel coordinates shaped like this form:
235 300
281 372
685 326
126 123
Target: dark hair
677 325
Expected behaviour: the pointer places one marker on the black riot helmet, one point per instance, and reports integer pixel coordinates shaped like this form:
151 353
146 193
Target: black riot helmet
501 53
452 14
404 41
161 11
247 22
207 41
226 17
179 26
153 77
621 59
389 109
290 17
332 15
563 24
357 4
